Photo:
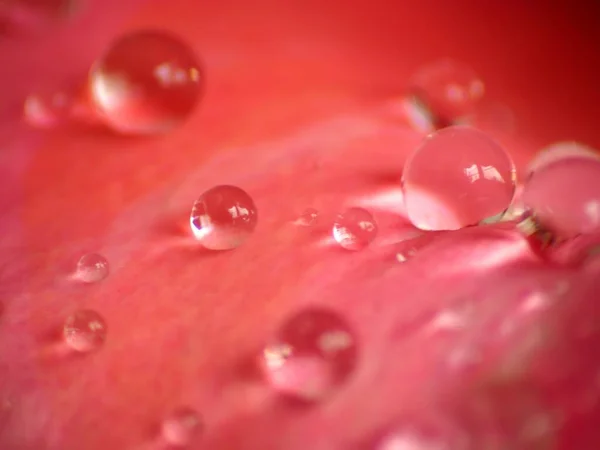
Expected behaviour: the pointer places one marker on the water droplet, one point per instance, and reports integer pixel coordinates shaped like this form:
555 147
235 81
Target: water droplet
308 218
85 330
457 177
355 229
92 268
311 355
444 93
560 151
423 432
147 82
181 426
48 109
223 217
565 196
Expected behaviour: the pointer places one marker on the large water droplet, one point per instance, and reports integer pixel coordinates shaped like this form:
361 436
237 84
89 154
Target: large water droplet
565 196
444 93
561 151
312 354
355 229
223 217
457 177
181 426
92 268
85 330
147 82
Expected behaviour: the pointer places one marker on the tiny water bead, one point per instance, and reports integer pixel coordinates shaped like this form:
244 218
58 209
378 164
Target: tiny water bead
181 426
85 330
354 229
92 268
457 177
223 217
308 218
445 92
312 354
147 82
560 151
48 109
565 196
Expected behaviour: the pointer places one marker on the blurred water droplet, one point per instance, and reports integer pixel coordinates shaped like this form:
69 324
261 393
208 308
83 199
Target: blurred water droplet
560 151
147 82
308 218
92 268
311 355
457 177
48 109
223 218
354 229
442 94
181 426
85 331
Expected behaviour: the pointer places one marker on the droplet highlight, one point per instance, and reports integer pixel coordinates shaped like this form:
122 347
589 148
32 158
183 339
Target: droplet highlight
354 229
312 354
147 82
85 331
181 426
223 217
48 109
92 268
458 176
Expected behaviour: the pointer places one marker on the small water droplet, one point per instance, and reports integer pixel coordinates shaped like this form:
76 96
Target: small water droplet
312 354
355 229
48 109
223 218
181 426
443 94
308 218
565 196
92 268
457 177
147 82
85 330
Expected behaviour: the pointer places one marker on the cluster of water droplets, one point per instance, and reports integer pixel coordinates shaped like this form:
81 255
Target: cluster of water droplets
457 177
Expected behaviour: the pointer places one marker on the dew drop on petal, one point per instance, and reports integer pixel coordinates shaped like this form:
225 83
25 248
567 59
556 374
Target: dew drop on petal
92 268
308 218
48 109
457 177
181 426
565 196
223 217
85 331
355 229
560 151
147 82
310 356
443 93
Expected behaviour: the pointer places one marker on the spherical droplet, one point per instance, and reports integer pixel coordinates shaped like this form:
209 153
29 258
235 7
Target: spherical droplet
223 217
560 151
147 82
311 355
565 196
308 218
445 92
92 268
48 109
85 331
423 432
355 229
181 426
457 177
